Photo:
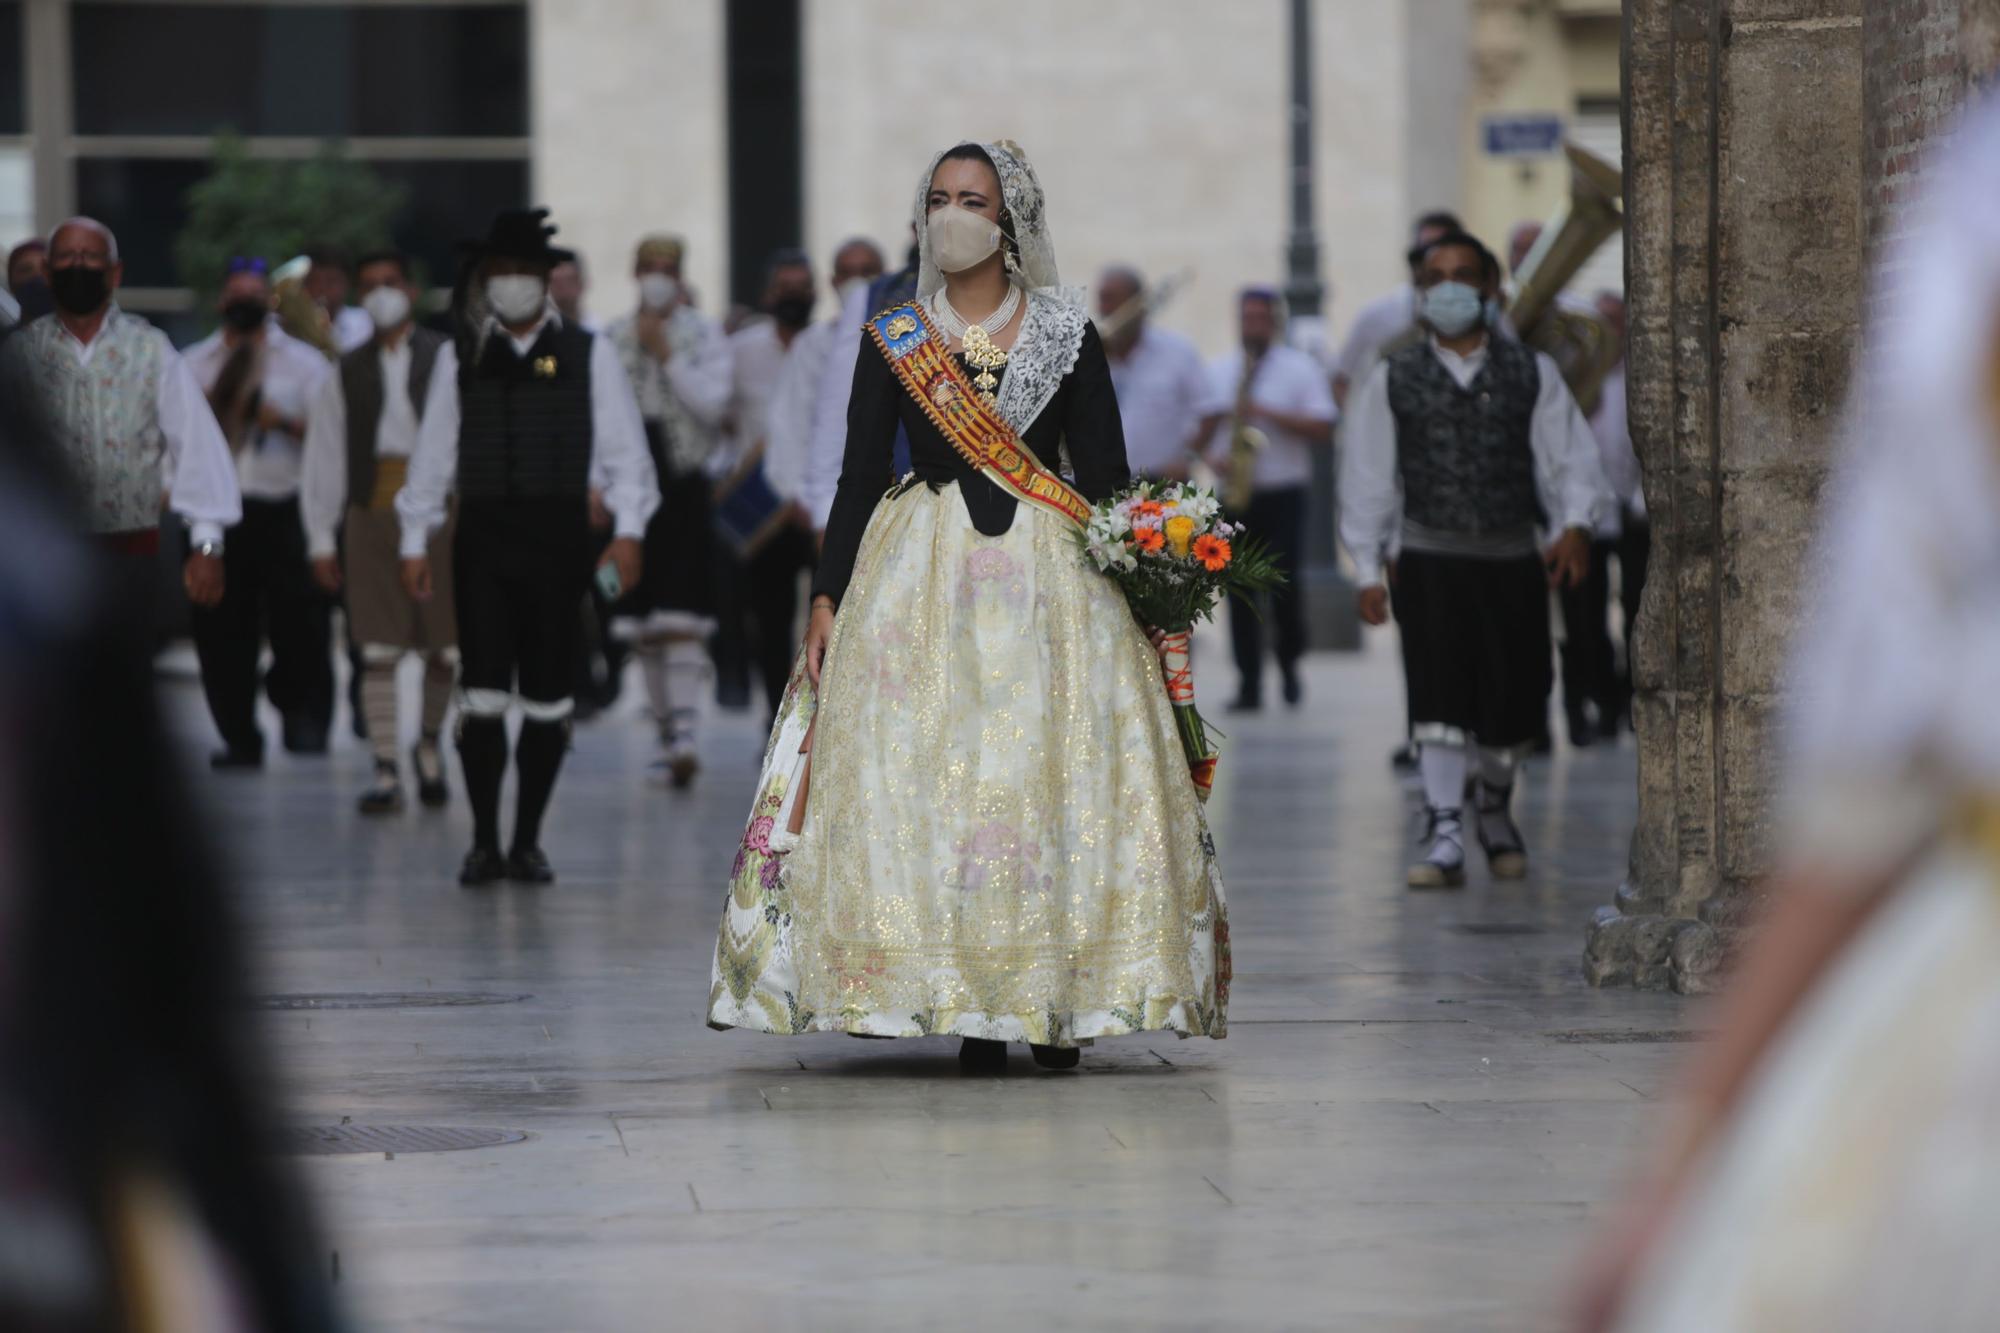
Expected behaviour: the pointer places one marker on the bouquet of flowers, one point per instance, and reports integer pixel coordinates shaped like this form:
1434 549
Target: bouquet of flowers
1169 550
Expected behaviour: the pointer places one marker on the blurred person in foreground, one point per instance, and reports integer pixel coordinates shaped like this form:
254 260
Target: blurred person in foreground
362 432
1165 397
525 415
1836 1163
124 411
260 381
1280 393
680 367
140 1190
1001 843
1460 449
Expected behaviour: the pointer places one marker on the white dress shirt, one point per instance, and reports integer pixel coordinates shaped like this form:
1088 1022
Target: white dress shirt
757 361
1614 448
1288 381
826 441
267 467
620 466
1568 476
790 423
323 477
1164 392
1379 323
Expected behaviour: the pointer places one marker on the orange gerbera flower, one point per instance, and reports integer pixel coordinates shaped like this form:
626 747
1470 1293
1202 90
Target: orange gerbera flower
1212 551
1147 509
1149 540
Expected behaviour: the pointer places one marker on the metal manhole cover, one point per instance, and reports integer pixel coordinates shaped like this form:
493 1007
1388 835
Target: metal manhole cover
423 999
335 1140
1497 928
1626 1036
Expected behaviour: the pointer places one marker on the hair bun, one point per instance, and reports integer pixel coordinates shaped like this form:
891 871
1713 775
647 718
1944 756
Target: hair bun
1019 153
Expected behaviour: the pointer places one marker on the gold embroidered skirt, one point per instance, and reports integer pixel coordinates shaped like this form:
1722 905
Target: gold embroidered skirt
1000 837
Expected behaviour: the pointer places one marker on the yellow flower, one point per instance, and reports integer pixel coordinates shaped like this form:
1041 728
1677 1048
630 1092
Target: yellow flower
1180 531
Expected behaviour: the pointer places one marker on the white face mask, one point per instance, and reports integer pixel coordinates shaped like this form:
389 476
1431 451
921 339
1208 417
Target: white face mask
961 238
657 291
516 297
847 287
388 307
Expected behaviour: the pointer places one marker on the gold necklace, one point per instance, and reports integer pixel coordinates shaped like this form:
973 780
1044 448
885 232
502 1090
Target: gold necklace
985 356
981 352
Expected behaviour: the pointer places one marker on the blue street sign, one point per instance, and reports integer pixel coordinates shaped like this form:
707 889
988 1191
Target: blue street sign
1531 135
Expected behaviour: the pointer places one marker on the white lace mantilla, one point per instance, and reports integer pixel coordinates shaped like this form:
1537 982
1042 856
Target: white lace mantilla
1043 353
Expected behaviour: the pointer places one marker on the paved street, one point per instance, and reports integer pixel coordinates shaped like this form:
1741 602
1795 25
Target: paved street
1418 1113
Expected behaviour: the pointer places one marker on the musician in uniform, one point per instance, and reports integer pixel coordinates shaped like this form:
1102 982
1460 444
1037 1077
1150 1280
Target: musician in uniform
359 440
678 363
1168 403
260 380
1282 409
1459 449
523 412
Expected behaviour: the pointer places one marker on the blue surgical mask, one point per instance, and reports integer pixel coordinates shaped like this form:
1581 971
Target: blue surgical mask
1453 309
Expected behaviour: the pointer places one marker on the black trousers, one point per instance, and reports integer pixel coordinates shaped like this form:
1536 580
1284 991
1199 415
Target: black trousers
1277 518
1589 666
267 593
771 585
519 572
1475 644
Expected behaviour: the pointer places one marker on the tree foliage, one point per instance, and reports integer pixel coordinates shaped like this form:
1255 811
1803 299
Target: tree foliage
275 208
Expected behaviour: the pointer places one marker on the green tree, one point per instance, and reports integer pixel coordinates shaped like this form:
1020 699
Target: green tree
262 206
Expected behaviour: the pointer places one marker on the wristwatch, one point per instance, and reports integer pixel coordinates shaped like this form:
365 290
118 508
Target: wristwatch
213 550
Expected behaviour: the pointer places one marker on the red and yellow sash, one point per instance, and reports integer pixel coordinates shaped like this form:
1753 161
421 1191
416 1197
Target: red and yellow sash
967 421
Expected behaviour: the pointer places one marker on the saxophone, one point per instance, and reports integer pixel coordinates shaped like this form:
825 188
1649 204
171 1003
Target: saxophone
1245 440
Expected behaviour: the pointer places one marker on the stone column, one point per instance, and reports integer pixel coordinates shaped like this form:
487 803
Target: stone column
1744 270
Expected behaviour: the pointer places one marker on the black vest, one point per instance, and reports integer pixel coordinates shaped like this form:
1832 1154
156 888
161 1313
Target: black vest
1465 455
524 421
361 384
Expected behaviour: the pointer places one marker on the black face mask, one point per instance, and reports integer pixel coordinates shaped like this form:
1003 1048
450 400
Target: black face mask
246 315
794 312
34 298
78 290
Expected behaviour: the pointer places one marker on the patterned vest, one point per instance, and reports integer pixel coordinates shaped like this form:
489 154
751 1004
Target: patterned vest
1465 454
104 412
525 424
361 382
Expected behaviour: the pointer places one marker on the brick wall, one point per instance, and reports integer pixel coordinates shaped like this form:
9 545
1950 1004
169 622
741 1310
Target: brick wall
1913 83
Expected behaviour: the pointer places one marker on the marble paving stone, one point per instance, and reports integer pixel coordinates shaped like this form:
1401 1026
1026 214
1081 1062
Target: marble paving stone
1392 1138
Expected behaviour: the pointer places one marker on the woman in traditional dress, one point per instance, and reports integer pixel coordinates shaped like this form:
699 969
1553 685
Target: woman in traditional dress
975 817
1837 1161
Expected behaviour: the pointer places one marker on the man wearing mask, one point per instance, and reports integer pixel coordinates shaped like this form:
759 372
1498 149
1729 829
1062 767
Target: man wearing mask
123 406
780 544
567 285
524 413
1390 321
260 381
327 284
362 432
1282 393
1164 392
1458 450
816 357
681 370
826 437
28 280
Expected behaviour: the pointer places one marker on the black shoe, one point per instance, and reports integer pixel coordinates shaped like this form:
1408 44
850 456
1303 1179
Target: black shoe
430 790
1295 690
386 796
976 1055
229 758
527 865
483 865
304 736
1057 1057
1499 835
1247 703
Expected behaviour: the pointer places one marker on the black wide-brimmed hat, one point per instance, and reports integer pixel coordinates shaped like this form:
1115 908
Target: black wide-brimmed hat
519 233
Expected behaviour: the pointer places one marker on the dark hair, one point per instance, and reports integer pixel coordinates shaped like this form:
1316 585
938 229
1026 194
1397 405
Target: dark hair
789 256
972 152
1437 220
256 264
1489 266
327 256
396 257
34 245
1268 295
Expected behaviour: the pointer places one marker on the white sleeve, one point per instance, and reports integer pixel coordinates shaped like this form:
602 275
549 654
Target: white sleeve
434 466
618 454
790 419
323 468
1569 475
705 384
1371 502
203 489
1313 393
826 438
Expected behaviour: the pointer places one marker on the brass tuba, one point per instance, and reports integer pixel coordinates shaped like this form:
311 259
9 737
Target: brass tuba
1581 344
298 314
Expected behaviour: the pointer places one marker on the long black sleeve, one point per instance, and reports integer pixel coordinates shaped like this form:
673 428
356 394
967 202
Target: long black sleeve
1091 424
865 467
